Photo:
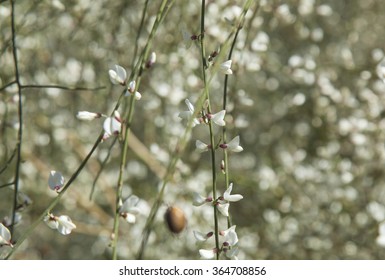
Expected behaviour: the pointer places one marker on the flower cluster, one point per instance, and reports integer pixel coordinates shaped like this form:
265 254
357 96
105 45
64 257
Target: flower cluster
230 236
230 240
113 125
221 203
118 76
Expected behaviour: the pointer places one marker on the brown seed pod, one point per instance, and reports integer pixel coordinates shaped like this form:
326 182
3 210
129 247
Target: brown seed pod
175 219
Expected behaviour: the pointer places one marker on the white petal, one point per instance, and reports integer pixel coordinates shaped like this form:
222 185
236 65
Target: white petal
65 225
5 235
231 236
55 180
202 147
152 58
207 254
199 236
130 218
226 67
185 115
113 77
118 75
233 145
137 95
224 209
52 223
131 86
87 116
218 118
198 200
231 197
380 240
111 125
381 228
190 106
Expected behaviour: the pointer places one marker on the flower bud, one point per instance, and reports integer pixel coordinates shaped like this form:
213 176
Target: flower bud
175 219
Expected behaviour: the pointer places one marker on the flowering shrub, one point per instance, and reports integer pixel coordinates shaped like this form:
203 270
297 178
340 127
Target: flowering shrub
278 154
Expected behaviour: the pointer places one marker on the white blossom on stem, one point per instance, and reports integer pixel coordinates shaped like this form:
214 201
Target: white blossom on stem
218 118
201 237
63 223
201 147
233 145
199 200
5 236
231 237
118 75
132 90
231 197
112 125
186 115
151 60
129 209
87 116
226 67
55 180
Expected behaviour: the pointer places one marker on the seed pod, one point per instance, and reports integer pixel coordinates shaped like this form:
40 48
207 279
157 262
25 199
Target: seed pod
175 219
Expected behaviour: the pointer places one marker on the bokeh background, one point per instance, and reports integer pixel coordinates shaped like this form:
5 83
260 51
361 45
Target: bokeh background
304 98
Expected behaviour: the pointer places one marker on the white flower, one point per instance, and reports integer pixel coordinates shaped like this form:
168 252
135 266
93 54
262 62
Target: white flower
131 90
112 125
151 60
63 224
55 180
118 75
233 145
218 118
231 197
207 254
224 208
231 237
87 116
201 237
129 209
201 147
226 67
186 115
380 240
199 200
5 236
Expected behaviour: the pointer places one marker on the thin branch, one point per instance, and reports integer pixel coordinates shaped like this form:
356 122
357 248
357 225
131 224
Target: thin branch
20 113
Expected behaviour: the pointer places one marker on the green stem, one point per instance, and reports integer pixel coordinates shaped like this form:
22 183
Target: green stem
56 200
20 112
212 139
137 71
